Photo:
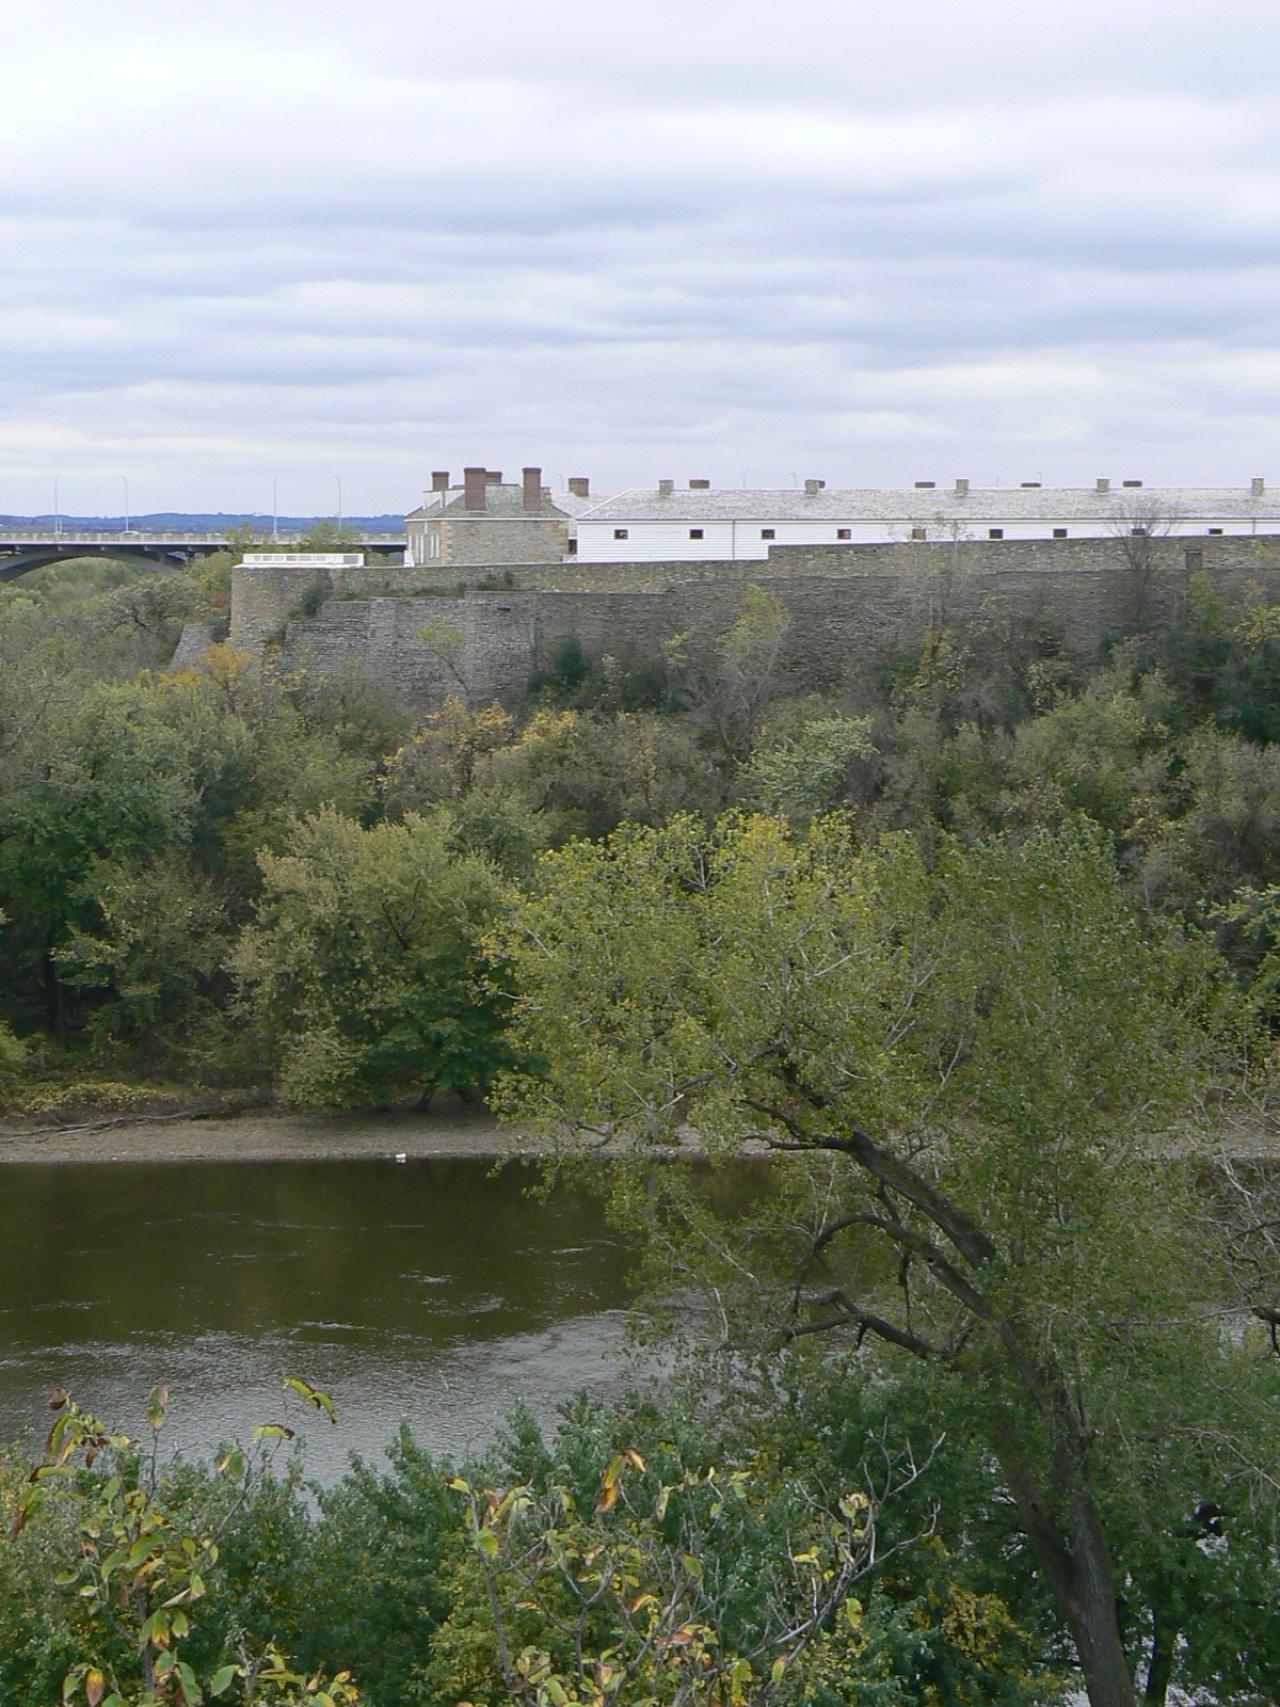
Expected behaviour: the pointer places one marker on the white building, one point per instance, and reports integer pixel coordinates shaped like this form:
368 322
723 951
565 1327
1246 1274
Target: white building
654 524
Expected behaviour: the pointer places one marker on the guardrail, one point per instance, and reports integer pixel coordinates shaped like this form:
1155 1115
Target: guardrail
70 536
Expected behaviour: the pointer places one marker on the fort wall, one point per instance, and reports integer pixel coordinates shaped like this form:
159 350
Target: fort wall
425 633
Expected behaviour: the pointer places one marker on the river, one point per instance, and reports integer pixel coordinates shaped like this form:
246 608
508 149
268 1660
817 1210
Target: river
430 1290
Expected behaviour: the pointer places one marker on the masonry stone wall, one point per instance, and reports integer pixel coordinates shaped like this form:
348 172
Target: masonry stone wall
477 541
424 635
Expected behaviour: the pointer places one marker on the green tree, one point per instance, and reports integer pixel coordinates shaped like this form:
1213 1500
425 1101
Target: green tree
363 969
960 1065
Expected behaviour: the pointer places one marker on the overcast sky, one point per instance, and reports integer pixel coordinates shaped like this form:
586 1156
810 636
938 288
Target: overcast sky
868 242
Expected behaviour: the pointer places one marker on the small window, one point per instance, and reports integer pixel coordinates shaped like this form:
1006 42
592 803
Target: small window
620 533
695 533
918 533
573 548
1138 533
768 533
1059 533
995 533
1215 530
844 533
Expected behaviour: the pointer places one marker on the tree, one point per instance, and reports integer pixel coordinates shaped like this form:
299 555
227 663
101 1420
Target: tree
736 677
959 1066
1137 525
363 968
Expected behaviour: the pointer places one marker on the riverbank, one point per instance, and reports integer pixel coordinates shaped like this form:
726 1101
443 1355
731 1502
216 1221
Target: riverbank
452 1130
449 1130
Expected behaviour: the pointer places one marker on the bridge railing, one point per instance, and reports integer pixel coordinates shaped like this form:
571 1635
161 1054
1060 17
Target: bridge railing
139 536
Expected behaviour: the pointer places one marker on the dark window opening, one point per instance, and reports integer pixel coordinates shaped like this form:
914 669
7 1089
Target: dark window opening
695 533
1139 533
1059 533
844 533
918 533
620 533
995 533
1215 530
768 533
573 548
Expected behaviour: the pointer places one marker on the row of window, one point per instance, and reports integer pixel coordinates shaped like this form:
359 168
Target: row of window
916 533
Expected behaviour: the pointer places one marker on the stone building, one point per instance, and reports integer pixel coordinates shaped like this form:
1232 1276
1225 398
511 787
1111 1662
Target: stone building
487 521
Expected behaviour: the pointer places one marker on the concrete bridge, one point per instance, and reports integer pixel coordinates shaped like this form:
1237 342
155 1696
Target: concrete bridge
24 549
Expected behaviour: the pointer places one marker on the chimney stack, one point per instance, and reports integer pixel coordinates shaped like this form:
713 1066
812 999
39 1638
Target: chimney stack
813 487
473 484
666 488
699 485
532 480
1257 486
962 487
440 480
1104 485
493 476
580 486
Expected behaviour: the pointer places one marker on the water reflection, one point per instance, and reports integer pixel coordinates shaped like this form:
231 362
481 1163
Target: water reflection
430 1290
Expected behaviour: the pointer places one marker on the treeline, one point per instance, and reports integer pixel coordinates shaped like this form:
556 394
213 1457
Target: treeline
232 876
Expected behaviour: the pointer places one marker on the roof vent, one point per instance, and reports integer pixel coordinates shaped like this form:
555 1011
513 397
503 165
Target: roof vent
666 488
962 488
699 485
813 487
1131 483
1257 486
1030 485
1103 483
925 485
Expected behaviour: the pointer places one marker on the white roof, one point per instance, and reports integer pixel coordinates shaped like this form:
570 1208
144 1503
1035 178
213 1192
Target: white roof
924 504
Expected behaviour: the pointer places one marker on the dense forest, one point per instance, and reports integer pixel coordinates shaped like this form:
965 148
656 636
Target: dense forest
984 1401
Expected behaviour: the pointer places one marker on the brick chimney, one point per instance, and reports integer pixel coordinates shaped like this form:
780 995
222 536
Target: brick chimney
473 484
440 480
580 486
493 476
699 485
532 483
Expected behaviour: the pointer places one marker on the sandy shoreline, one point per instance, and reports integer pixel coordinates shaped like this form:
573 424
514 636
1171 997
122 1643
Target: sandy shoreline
265 1135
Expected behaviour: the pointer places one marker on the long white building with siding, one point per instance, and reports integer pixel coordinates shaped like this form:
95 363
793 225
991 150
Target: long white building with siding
653 524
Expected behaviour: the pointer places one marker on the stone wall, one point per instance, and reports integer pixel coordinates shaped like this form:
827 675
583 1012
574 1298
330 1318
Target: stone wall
423 635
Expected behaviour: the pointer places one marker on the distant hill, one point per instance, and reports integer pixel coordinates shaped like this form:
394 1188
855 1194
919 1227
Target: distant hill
184 521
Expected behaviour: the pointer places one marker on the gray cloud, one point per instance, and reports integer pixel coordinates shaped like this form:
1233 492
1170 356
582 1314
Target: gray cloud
315 239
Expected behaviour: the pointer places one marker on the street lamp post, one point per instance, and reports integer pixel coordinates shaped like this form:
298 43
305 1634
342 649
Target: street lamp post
124 481
57 509
337 480
275 509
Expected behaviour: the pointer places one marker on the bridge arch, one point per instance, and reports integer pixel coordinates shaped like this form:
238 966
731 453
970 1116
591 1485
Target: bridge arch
22 562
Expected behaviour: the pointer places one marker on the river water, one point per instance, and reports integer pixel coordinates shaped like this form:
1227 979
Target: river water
432 1291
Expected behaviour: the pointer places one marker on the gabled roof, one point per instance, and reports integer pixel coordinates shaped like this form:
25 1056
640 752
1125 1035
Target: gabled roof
938 504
